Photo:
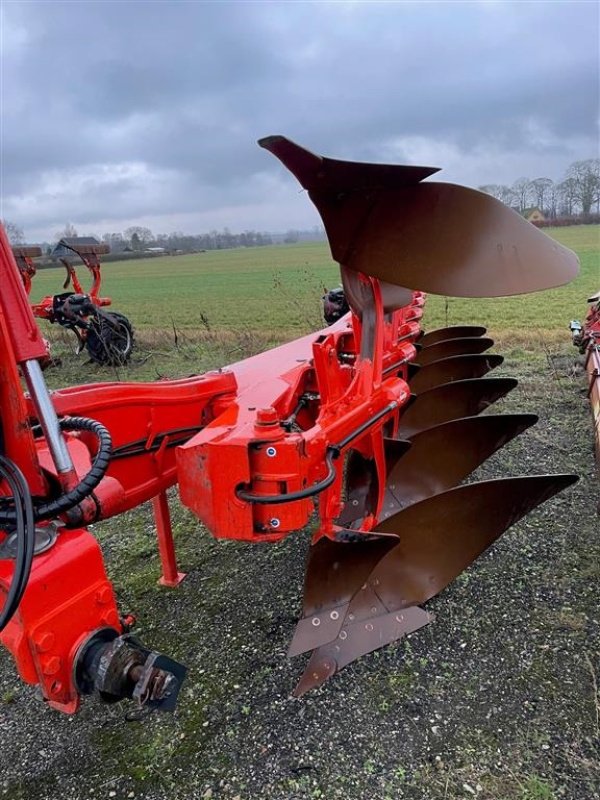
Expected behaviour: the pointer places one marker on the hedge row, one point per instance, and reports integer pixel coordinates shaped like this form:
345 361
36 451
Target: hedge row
563 222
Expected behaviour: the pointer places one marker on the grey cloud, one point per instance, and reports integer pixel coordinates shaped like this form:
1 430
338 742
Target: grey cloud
186 88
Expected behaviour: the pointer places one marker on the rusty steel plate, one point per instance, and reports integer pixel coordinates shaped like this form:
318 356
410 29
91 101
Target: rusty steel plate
451 332
333 572
443 456
434 237
455 368
472 345
452 401
438 539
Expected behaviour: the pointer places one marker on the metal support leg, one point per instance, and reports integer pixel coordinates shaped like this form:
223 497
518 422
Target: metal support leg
166 548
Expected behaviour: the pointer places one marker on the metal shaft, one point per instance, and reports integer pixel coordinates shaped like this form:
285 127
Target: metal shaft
47 415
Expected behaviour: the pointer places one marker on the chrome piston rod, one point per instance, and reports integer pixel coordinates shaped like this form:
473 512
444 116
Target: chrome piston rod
47 415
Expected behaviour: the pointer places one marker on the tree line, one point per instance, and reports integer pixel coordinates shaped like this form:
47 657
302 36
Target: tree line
578 194
139 239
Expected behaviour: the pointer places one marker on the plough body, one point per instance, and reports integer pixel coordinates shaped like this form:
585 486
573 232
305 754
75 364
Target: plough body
368 421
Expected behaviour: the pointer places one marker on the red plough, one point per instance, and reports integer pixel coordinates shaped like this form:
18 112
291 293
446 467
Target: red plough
107 336
587 338
369 421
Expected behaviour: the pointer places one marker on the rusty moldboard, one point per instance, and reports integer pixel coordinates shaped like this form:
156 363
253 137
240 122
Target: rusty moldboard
451 332
438 538
441 457
472 345
381 220
455 368
454 400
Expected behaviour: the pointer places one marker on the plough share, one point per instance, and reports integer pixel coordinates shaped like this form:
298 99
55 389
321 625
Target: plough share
369 421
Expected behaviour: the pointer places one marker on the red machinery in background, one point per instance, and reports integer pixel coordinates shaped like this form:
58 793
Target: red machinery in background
370 421
107 336
587 338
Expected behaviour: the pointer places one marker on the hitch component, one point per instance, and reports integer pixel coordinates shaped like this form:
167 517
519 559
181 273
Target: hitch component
117 667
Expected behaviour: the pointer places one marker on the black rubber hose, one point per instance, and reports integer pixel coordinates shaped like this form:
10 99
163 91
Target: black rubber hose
333 452
25 530
86 486
310 491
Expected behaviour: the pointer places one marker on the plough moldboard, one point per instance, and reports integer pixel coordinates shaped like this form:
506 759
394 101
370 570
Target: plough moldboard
370 421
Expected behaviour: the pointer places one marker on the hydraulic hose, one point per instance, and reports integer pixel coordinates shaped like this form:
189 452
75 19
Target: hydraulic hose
332 453
301 494
53 508
24 524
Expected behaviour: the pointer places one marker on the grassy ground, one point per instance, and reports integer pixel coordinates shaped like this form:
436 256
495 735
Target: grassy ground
497 699
273 292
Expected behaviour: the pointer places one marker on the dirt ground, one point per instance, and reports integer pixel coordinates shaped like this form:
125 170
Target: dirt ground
497 699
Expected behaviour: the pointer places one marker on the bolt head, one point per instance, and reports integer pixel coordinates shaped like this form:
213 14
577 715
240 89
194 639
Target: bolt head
103 596
267 416
44 642
51 665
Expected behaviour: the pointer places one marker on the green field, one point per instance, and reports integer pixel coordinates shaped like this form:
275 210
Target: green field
206 310
262 288
278 290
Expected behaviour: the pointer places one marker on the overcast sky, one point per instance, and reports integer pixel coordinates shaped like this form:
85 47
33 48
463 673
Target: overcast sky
121 113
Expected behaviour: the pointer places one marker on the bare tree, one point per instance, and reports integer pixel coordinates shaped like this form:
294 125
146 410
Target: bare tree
522 191
14 232
503 193
492 189
585 177
541 189
68 232
553 198
508 196
566 197
115 241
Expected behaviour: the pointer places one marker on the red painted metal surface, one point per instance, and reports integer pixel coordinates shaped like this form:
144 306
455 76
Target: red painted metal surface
593 370
146 421
230 423
262 457
68 597
166 546
24 258
587 339
25 339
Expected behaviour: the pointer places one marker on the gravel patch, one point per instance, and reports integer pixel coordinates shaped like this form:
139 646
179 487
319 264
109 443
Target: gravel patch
497 699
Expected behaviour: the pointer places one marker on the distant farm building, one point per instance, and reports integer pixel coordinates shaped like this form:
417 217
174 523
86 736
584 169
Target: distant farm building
534 214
